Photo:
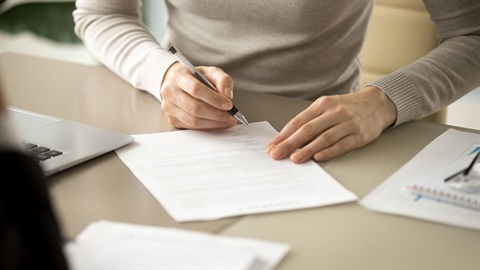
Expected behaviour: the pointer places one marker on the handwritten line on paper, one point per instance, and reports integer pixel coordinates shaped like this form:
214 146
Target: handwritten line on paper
205 175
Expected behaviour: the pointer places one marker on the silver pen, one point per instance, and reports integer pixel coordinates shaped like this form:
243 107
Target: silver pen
233 111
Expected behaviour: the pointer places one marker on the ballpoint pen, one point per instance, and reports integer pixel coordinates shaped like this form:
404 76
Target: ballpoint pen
233 111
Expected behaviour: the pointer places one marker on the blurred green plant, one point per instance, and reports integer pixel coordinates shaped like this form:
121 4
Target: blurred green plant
53 21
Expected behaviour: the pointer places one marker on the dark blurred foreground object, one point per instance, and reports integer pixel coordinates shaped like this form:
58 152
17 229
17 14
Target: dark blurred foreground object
30 235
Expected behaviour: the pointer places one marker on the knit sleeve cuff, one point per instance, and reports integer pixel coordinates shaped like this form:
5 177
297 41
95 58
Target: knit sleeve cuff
153 72
403 94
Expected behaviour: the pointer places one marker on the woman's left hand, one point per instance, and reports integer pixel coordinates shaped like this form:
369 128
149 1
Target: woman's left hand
334 125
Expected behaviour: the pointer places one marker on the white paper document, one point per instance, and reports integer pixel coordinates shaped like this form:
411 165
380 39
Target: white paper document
114 245
434 186
392 196
207 175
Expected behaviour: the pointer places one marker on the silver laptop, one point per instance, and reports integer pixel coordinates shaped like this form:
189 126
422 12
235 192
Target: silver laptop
59 144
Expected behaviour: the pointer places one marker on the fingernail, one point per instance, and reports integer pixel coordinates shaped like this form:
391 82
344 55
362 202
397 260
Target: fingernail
276 153
226 105
228 92
318 157
297 157
269 147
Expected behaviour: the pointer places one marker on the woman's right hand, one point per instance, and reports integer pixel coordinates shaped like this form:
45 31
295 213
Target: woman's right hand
190 104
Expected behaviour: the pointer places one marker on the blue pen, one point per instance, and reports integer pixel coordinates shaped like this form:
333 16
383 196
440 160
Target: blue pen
233 111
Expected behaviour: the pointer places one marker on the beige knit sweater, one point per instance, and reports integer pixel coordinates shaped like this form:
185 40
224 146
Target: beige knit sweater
296 48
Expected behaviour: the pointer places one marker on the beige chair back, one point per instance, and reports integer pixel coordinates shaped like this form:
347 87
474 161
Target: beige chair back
400 32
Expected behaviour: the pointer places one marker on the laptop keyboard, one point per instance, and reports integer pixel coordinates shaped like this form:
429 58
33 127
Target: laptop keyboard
40 153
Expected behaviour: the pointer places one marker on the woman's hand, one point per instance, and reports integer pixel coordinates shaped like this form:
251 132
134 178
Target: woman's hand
188 103
334 125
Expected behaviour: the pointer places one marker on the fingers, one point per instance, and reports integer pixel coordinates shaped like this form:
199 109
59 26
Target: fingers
341 147
299 131
312 137
186 112
294 125
330 127
188 103
189 84
222 81
332 142
181 119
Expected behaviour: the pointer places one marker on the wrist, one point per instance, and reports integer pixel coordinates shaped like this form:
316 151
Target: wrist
169 73
386 109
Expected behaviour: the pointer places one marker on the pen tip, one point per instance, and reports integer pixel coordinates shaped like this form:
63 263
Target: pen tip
241 118
244 120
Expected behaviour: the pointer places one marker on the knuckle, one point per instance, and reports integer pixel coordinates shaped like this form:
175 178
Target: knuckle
328 137
195 89
323 101
166 92
341 110
346 145
217 69
193 109
308 129
295 123
288 146
224 76
192 122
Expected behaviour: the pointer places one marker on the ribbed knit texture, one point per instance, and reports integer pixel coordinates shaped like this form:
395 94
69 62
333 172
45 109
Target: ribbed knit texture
402 92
